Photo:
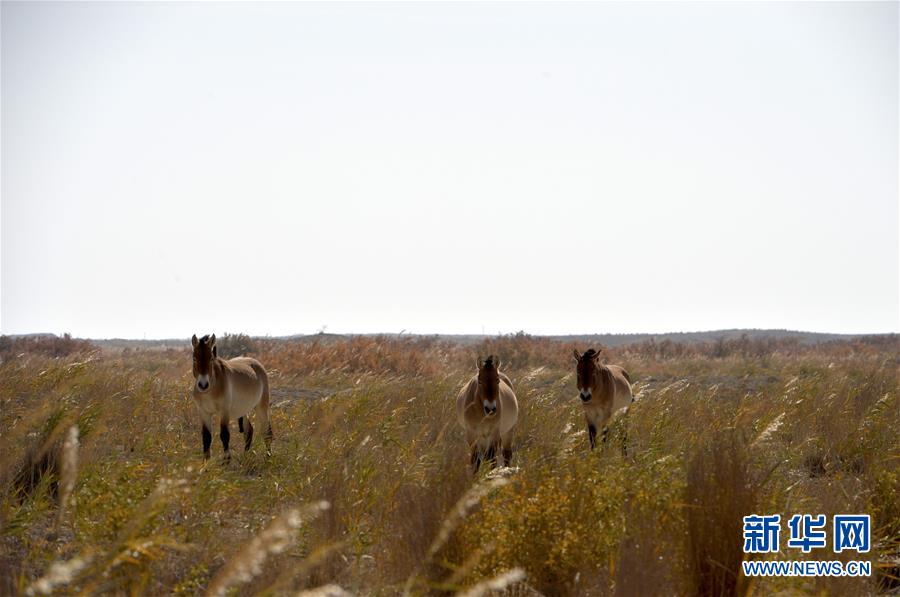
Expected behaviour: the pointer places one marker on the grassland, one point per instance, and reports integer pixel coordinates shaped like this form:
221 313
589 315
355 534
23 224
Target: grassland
366 425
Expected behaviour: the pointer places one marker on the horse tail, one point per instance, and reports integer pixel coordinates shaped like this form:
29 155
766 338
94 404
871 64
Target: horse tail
264 399
263 409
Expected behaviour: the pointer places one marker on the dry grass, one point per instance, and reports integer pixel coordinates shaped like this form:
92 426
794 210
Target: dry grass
367 424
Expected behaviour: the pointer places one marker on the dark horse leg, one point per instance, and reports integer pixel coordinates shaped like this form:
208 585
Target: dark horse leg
269 437
225 436
491 455
248 435
592 435
475 458
507 456
207 440
262 417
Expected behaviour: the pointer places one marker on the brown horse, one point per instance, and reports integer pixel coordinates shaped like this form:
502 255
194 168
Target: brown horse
229 389
603 389
487 409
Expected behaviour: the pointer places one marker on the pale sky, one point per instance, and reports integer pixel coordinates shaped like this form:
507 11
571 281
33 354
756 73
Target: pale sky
559 168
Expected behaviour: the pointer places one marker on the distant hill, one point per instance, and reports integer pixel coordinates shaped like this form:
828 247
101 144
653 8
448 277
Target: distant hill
32 335
581 339
692 337
620 339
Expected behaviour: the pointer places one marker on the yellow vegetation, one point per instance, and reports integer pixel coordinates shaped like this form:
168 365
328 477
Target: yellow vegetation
367 426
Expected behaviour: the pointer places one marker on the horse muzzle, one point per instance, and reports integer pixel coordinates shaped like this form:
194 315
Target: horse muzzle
490 411
585 398
203 383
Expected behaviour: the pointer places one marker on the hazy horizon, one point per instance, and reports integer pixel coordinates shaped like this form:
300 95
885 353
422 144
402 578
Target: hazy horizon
276 169
463 334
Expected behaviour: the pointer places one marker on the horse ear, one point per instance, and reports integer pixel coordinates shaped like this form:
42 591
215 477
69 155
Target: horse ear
212 340
478 362
496 363
215 350
194 341
575 353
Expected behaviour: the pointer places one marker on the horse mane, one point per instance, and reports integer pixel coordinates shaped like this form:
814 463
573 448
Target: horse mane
204 339
489 362
590 353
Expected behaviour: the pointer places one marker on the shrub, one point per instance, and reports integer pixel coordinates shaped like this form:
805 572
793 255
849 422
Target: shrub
235 345
42 344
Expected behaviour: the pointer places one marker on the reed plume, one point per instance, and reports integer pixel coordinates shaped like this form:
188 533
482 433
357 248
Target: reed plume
498 583
273 540
59 574
68 470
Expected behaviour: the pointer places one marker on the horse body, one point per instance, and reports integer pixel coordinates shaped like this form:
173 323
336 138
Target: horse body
487 409
229 389
605 390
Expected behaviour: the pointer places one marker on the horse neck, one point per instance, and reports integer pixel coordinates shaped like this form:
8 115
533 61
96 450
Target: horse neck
600 376
217 369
